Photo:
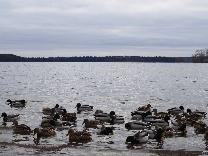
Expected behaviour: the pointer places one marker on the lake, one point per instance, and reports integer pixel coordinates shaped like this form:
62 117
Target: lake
121 87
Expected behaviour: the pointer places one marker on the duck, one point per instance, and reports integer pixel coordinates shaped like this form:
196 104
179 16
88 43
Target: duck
136 125
105 117
47 111
71 117
55 110
58 109
137 113
90 123
105 130
51 121
81 108
206 134
98 112
43 133
159 114
79 136
159 136
115 119
16 103
176 111
199 113
145 108
140 115
179 128
21 129
159 122
150 118
139 138
9 118
200 127
111 117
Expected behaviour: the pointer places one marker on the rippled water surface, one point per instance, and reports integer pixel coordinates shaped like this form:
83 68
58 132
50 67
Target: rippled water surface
121 87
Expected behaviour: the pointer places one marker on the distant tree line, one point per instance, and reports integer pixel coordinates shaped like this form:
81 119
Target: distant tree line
14 58
200 56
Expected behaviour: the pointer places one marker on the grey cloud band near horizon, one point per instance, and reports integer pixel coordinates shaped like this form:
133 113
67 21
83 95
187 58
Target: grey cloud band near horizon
111 27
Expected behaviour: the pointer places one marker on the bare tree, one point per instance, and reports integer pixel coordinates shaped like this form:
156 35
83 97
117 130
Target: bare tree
200 56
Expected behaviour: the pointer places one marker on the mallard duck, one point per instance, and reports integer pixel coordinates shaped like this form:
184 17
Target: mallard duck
105 130
79 136
200 127
21 129
150 118
43 133
51 121
47 111
81 108
158 122
90 123
71 117
160 114
112 118
105 117
176 111
179 128
145 108
199 113
140 115
136 125
139 138
55 110
16 103
9 118
98 112
58 109
115 119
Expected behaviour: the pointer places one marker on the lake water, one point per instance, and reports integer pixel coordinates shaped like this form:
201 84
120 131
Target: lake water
121 87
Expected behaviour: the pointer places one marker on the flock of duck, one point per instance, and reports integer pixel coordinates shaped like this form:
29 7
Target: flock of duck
149 124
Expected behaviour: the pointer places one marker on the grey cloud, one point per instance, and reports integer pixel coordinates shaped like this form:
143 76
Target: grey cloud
107 27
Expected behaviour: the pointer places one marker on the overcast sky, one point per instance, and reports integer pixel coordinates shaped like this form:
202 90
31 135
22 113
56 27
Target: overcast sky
103 27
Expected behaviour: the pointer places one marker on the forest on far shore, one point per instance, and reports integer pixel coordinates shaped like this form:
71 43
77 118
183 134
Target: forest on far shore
15 58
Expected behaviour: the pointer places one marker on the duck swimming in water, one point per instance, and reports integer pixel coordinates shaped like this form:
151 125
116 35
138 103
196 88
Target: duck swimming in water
111 118
90 123
43 133
9 118
71 117
16 103
105 130
81 108
139 138
21 129
136 125
79 136
176 111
